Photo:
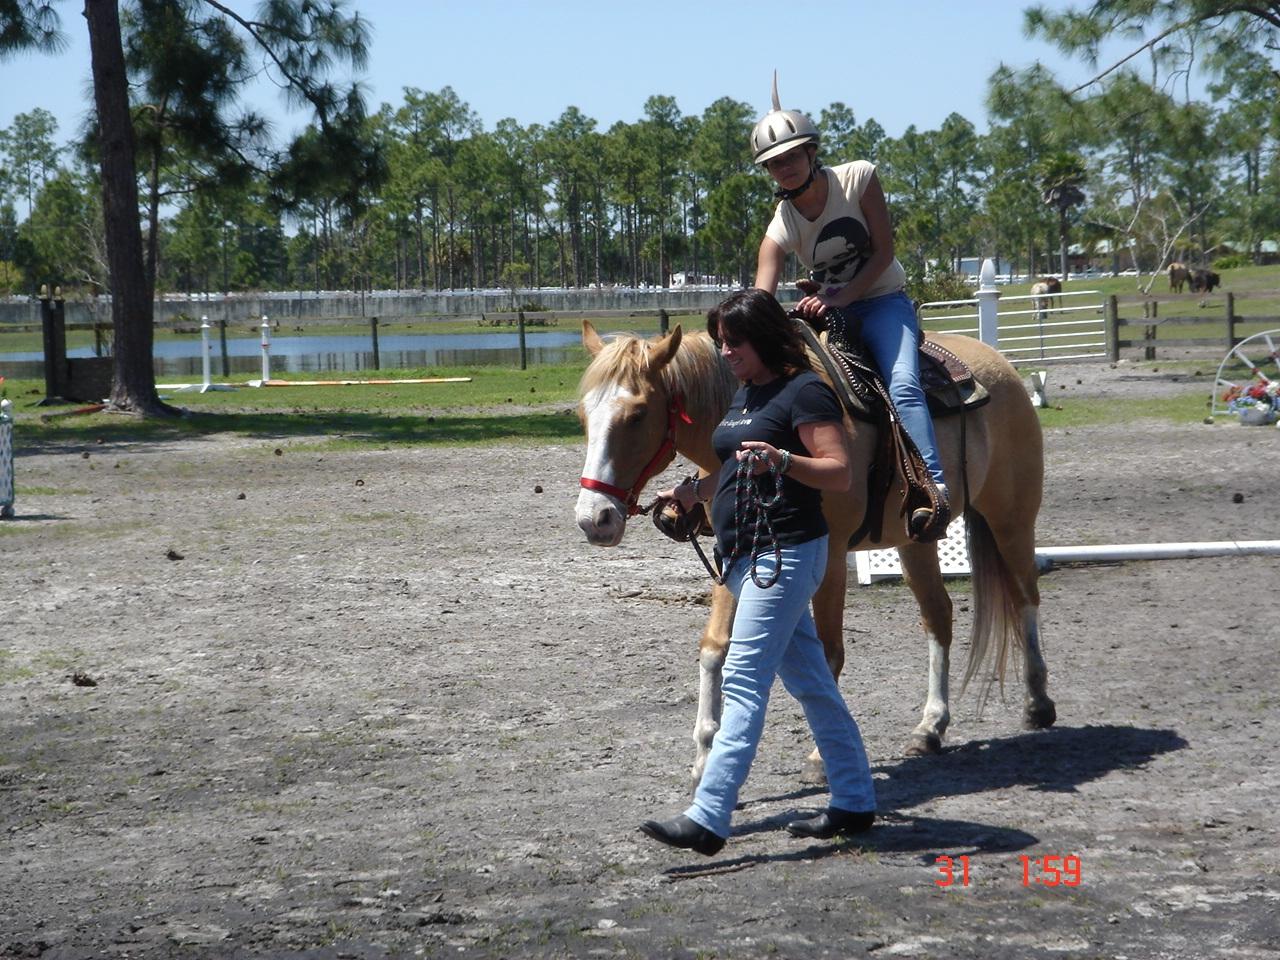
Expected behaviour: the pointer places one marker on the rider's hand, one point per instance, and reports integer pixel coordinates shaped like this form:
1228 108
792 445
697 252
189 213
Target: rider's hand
814 308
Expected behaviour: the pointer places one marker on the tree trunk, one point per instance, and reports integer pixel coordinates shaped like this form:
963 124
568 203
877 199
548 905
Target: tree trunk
132 310
1062 242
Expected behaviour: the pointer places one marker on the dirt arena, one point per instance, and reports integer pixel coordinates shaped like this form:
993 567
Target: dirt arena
389 703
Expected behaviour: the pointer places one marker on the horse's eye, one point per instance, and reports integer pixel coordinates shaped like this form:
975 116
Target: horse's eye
635 414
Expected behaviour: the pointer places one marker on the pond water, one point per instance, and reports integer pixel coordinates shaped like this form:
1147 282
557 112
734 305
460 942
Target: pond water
338 353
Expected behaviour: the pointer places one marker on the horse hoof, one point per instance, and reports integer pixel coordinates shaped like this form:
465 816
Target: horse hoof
924 745
813 772
1041 717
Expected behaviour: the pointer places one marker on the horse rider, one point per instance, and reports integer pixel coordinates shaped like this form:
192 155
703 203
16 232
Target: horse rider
836 221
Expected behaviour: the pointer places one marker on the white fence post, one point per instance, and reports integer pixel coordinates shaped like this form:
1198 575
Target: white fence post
266 350
988 296
6 459
204 355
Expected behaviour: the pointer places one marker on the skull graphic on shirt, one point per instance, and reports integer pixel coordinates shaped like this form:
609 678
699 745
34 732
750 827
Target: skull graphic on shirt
840 250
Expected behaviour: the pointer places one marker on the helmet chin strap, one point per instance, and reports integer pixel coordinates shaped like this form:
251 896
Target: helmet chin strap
792 194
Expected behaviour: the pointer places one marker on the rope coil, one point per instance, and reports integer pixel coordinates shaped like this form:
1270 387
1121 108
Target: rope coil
751 515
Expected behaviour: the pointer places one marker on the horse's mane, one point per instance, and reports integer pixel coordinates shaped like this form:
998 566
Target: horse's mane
696 371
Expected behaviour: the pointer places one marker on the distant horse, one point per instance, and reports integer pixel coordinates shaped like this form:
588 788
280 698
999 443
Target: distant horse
644 400
1203 281
1044 291
1178 275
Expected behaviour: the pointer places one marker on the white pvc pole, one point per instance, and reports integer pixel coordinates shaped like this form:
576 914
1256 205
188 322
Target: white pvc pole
266 349
988 296
204 355
1161 551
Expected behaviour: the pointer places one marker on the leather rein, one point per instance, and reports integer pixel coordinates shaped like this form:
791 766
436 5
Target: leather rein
676 415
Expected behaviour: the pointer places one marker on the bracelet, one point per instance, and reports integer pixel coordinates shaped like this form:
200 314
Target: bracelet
785 465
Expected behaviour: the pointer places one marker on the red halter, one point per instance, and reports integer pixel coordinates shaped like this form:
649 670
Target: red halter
675 414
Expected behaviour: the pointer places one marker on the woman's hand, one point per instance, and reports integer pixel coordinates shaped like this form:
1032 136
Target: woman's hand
772 456
685 494
824 464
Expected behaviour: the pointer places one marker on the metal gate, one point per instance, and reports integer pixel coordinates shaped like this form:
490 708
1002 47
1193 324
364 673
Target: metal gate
1032 329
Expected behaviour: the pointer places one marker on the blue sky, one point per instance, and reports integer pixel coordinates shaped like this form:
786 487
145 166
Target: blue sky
902 63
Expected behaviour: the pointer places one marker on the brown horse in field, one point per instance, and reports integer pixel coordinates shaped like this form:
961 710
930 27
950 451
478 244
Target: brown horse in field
644 400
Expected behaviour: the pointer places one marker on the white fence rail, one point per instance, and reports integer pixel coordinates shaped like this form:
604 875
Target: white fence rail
1031 329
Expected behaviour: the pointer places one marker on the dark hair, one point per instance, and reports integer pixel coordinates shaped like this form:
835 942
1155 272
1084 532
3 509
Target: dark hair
756 316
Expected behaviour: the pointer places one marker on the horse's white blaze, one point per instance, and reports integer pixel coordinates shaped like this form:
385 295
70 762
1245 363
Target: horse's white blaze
599 406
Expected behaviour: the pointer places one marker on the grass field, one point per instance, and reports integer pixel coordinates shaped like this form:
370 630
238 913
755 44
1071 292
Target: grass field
534 405
498 404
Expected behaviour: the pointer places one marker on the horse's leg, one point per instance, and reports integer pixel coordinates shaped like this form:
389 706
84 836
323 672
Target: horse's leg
828 617
924 577
1014 541
1038 709
712 649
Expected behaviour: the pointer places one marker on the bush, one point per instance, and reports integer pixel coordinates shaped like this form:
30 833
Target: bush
1232 261
939 285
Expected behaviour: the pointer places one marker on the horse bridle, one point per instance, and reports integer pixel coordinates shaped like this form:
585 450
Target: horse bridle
631 497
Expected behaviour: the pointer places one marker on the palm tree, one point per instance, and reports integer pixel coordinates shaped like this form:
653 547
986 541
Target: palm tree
1062 175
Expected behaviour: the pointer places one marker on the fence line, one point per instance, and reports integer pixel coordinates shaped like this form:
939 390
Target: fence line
1073 338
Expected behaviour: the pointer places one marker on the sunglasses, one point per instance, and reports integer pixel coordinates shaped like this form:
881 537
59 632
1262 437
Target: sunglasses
732 342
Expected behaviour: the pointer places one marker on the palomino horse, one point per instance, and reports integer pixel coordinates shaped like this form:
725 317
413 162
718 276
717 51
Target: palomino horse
644 400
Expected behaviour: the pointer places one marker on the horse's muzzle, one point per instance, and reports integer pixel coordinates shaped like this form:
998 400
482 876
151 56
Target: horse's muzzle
601 520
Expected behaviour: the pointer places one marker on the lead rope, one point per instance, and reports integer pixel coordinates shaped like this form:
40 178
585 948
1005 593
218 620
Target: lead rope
751 512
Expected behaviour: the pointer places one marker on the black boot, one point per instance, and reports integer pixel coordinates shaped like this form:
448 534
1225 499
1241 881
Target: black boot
830 822
925 525
685 834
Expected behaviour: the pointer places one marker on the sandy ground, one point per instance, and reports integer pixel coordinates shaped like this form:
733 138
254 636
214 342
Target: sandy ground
389 703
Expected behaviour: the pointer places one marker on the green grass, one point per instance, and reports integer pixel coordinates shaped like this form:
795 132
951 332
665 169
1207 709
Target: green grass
498 404
1186 408
334 429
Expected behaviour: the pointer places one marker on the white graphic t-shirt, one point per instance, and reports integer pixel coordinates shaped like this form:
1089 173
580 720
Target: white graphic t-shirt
836 245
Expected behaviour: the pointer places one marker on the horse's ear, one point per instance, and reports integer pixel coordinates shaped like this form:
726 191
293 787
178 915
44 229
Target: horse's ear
590 339
666 348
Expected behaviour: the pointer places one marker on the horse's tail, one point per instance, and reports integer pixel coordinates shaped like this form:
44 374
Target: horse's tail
997 619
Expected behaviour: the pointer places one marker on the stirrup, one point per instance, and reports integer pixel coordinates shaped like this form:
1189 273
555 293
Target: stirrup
926 525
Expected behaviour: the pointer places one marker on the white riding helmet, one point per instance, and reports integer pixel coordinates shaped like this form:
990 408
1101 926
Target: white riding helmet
780 130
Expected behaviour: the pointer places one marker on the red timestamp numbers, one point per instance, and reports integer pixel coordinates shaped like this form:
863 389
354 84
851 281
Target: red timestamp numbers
1050 870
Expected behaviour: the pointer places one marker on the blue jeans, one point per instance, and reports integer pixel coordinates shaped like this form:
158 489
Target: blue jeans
891 332
774 635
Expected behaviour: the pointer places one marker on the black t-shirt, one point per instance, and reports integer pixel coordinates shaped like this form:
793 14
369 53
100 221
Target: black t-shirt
771 413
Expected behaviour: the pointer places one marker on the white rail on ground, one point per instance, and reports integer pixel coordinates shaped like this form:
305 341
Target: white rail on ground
953 554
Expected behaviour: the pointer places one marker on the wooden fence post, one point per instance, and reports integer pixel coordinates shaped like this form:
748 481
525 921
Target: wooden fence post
222 342
373 331
663 321
1231 320
1113 330
524 355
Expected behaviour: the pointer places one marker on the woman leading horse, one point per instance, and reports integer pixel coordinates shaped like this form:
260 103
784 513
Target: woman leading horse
645 400
781 444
